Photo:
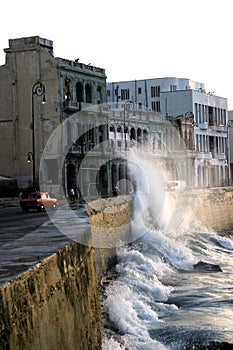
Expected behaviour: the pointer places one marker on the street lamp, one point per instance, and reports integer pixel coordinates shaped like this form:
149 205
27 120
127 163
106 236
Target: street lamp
38 89
30 157
128 106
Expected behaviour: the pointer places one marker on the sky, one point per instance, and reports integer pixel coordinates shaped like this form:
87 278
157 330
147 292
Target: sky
133 39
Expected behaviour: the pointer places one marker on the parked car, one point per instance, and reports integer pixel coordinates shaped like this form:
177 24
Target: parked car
39 201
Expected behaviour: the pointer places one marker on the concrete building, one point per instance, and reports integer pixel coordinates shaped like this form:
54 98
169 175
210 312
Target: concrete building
77 139
153 137
230 142
184 99
30 75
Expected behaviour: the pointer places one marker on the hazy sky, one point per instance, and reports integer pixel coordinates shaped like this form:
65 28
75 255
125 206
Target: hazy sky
133 39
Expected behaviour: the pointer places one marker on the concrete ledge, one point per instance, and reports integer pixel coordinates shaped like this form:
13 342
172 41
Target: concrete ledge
110 221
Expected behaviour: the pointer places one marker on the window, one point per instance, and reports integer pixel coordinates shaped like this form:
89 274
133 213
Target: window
173 87
79 92
125 94
155 106
108 93
67 90
88 93
139 90
99 95
155 91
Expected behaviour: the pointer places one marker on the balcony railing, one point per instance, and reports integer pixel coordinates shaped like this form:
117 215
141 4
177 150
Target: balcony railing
203 126
220 156
71 106
221 128
76 149
204 155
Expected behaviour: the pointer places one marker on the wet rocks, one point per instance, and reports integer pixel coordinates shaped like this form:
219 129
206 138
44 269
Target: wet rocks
206 267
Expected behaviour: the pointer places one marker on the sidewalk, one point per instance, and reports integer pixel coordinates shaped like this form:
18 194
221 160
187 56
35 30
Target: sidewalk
9 202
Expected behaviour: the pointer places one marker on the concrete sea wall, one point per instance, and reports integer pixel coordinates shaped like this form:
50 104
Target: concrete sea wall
213 208
110 221
56 304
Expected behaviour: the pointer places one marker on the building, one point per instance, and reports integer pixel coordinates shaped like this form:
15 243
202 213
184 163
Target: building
57 130
185 100
230 142
31 74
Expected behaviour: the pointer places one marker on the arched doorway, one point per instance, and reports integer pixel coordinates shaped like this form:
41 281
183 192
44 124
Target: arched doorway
70 176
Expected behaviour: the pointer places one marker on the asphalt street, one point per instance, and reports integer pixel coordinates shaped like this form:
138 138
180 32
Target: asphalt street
14 223
28 238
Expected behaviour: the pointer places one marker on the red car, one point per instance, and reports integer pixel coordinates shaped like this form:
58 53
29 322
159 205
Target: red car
39 201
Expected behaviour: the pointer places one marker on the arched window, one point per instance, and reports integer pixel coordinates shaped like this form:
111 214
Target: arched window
67 90
112 134
88 93
99 95
79 92
145 136
133 134
139 135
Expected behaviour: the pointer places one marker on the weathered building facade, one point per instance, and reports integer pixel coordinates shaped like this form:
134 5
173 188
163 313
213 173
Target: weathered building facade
76 138
69 86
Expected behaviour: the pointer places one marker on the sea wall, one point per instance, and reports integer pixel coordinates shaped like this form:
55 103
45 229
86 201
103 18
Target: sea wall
54 305
110 221
212 208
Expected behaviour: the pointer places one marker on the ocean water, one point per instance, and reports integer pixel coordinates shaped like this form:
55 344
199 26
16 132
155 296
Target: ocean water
157 300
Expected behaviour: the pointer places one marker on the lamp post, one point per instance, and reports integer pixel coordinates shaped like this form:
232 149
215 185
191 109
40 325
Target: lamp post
128 106
229 125
38 89
30 156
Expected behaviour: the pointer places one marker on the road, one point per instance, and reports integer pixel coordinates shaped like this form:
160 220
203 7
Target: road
14 223
28 238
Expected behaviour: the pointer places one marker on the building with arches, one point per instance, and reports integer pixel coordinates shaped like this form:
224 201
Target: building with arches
69 87
87 126
188 103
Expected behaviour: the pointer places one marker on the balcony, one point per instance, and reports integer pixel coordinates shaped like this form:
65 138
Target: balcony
220 156
203 126
221 128
71 106
76 149
204 155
